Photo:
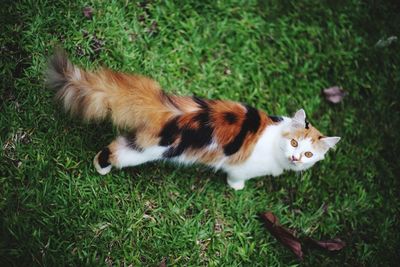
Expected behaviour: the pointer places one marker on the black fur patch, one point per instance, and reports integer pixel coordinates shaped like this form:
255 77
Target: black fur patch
131 139
193 138
200 137
307 124
201 102
170 132
230 117
104 157
276 118
250 125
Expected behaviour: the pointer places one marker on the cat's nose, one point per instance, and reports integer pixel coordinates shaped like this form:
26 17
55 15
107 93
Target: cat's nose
294 158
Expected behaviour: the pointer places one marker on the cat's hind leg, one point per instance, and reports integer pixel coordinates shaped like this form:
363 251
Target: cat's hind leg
121 153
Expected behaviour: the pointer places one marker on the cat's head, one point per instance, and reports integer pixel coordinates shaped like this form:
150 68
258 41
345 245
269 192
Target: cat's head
302 144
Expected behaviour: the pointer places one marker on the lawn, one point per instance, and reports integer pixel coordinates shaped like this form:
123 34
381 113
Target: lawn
55 210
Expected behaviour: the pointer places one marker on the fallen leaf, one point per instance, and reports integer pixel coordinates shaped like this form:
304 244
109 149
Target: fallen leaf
334 94
331 245
163 263
88 12
287 237
283 235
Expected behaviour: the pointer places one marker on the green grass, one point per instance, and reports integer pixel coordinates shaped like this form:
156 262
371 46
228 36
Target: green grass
56 210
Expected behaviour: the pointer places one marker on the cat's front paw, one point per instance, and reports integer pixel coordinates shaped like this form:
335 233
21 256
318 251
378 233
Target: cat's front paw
102 166
236 184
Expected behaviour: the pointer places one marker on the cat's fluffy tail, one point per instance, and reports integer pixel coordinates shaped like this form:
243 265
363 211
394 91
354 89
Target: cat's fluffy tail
131 101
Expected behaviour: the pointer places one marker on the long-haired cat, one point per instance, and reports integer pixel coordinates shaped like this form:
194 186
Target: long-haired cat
236 138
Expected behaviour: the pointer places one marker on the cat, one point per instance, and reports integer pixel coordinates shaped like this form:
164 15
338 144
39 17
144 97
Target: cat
240 140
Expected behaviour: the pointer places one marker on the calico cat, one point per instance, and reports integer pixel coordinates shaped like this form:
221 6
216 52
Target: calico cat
236 138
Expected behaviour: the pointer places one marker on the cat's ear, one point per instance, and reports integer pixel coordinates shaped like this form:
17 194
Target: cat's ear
299 119
330 141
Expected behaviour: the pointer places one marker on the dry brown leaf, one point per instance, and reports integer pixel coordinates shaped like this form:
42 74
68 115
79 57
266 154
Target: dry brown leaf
283 235
334 94
330 245
287 238
163 263
88 12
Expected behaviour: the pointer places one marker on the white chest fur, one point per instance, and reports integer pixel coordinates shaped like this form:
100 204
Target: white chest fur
266 158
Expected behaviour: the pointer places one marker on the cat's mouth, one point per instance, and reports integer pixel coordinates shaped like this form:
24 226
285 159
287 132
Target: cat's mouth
294 162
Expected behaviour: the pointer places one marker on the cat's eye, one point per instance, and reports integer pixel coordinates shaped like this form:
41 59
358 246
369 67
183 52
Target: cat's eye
308 154
294 143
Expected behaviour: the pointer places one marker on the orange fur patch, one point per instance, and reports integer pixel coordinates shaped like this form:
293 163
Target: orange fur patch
303 133
137 103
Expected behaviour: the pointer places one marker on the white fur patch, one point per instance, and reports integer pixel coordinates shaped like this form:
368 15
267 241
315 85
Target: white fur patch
272 154
126 156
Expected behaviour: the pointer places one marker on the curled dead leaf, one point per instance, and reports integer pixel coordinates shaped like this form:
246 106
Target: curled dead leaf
163 263
283 235
330 245
287 237
334 94
88 12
